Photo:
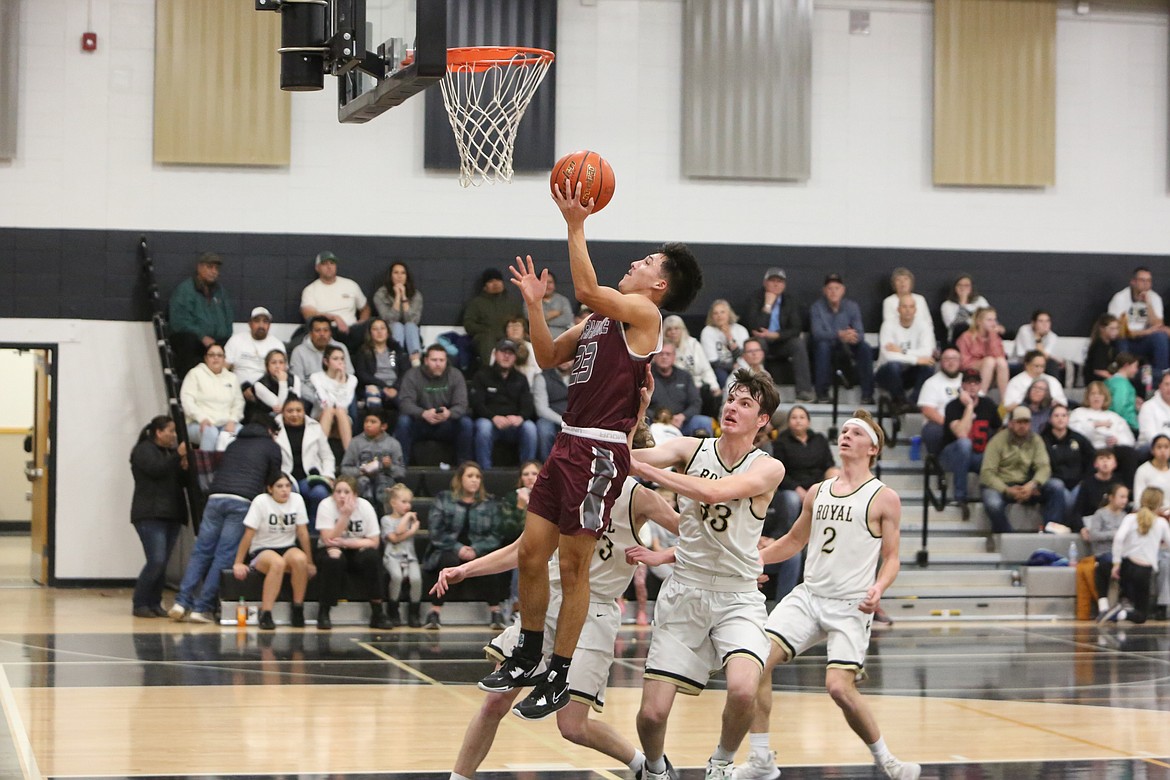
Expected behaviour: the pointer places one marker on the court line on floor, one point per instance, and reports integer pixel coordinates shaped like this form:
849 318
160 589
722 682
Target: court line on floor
24 752
556 745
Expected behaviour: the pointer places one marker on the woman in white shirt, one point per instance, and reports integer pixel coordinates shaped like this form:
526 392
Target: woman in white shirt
1135 555
689 355
958 310
1097 423
305 454
722 339
276 539
1155 473
335 392
902 280
212 400
350 537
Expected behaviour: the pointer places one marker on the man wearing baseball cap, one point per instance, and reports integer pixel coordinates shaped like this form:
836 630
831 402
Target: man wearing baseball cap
1016 470
247 352
773 317
969 423
501 403
838 338
339 299
199 314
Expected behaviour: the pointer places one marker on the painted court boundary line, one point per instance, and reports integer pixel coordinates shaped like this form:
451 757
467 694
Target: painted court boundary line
24 752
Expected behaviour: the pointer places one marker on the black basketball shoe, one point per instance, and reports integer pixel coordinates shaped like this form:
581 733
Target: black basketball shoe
549 695
514 672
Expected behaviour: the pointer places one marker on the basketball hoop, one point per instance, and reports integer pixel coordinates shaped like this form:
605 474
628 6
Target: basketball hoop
486 90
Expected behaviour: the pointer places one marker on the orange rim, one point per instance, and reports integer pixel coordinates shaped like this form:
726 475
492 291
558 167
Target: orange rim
481 58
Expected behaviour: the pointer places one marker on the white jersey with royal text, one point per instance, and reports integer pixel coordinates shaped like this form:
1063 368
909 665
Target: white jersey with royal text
717 544
609 574
842 552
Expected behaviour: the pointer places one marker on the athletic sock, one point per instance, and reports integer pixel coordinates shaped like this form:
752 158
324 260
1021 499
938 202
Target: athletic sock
656 765
560 665
1102 605
529 645
879 750
759 743
723 755
638 761
457 776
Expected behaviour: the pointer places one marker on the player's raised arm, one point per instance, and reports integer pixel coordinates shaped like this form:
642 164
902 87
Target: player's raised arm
762 477
532 286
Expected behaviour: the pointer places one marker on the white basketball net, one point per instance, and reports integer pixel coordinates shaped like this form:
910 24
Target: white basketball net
486 99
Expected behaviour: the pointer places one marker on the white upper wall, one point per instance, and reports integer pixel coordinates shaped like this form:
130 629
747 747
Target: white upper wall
85 144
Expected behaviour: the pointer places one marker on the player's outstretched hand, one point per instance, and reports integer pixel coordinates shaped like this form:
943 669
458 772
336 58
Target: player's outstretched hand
869 604
569 202
640 554
447 577
532 285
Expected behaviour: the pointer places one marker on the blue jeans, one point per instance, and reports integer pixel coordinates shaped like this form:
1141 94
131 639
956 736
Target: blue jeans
407 335
313 493
960 459
1051 500
460 432
215 549
207 438
546 435
486 435
932 437
158 539
791 503
823 364
893 378
1156 347
698 422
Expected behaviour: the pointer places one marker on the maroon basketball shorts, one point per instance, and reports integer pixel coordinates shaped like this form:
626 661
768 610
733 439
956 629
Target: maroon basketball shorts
581 479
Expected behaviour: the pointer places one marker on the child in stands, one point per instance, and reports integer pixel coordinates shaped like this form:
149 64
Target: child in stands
400 559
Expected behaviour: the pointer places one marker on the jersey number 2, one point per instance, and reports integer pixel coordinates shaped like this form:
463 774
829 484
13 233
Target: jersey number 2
583 363
827 546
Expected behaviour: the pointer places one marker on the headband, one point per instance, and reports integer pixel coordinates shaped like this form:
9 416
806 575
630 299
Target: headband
863 426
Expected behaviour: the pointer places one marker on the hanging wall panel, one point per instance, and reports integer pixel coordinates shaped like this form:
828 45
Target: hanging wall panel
9 84
995 93
747 89
217 96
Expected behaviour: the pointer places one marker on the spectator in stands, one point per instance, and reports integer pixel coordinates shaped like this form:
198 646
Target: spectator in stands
486 315
1135 557
246 352
400 304
1071 457
513 511
432 405
335 388
501 402
1143 330
902 281
1155 472
1103 347
906 353
558 311
349 541
338 299
981 348
969 421
1016 470
550 397
380 365
1099 531
722 339
250 464
1095 486
1039 403
674 389
1105 428
838 337
158 509
754 351
774 319
308 356
807 458
374 459
465 524
275 540
516 331
958 310
399 527
1154 417
1037 336
1017 388
275 387
936 393
305 455
1124 398
212 401
689 355
199 314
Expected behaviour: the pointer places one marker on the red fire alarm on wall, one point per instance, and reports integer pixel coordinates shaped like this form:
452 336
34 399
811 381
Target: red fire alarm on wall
89 41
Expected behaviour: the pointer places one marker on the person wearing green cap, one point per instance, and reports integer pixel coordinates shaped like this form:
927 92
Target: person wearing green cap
339 299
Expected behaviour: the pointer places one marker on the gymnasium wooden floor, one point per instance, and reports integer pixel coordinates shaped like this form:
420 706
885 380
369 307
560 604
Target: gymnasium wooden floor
88 691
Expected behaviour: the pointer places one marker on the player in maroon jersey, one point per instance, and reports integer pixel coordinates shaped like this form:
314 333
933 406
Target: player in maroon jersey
569 507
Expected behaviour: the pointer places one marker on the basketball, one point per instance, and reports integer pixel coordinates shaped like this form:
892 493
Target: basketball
591 170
